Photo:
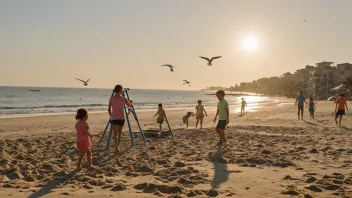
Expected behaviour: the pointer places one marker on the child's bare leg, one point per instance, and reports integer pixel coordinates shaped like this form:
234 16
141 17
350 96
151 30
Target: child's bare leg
340 119
160 127
222 134
218 131
119 137
80 158
197 124
201 123
187 123
116 131
298 112
89 159
336 118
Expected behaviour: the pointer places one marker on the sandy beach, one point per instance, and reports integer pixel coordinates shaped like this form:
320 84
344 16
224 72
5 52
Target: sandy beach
269 153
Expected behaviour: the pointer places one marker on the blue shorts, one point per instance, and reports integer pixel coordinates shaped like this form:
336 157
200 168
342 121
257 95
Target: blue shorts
340 113
221 124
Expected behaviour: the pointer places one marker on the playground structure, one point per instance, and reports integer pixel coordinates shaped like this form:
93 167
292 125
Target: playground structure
128 111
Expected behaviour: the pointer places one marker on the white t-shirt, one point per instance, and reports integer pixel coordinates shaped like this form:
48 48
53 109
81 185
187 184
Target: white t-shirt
200 108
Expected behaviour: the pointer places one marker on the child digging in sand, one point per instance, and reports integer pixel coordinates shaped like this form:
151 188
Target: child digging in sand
223 112
117 116
200 114
340 108
161 117
83 138
186 118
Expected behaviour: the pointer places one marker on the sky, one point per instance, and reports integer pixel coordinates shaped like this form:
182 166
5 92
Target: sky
49 43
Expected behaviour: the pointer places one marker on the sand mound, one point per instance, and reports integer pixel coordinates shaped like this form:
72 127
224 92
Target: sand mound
151 187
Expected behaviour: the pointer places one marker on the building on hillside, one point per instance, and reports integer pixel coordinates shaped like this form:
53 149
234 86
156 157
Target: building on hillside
322 79
302 76
344 70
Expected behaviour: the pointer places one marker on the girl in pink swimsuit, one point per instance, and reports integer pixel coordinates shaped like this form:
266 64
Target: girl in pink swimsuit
117 116
83 138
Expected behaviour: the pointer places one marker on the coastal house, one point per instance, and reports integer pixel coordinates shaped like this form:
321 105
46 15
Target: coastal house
344 71
322 78
302 76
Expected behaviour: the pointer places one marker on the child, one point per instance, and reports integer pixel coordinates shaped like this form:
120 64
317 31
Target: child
117 116
243 105
301 100
312 108
83 138
340 108
223 112
186 118
161 117
199 114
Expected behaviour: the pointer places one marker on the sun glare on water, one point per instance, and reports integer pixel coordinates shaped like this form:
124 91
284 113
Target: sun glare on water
250 43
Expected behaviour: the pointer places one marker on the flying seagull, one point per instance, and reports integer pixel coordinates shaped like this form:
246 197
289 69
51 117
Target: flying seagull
210 60
170 66
85 83
186 82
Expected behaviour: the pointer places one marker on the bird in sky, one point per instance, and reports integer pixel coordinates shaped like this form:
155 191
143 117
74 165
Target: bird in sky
170 66
186 82
210 60
85 83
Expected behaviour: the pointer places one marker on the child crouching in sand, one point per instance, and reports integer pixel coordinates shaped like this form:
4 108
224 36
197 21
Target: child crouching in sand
186 118
83 138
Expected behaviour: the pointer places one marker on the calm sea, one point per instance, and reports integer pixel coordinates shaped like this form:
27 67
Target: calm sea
20 101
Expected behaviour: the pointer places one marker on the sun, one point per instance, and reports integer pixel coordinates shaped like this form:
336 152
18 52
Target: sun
250 43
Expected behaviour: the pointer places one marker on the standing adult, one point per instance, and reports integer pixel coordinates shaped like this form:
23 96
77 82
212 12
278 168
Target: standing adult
300 101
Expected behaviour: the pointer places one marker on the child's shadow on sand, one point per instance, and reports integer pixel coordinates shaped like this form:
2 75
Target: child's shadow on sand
221 174
51 185
311 123
344 128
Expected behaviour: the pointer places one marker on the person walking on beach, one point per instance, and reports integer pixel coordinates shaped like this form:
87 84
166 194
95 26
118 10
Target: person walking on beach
340 108
312 108
301 100
116 113
243 105
200 114
224 115
161 117
83 138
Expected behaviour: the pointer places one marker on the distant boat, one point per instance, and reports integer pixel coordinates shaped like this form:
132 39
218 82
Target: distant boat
34 90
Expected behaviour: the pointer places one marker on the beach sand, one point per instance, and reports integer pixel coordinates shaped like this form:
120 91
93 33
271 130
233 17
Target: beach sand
269 153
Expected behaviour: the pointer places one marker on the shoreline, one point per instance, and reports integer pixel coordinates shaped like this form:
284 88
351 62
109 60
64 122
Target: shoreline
251 106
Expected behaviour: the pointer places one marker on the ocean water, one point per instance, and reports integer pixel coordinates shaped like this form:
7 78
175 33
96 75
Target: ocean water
20 101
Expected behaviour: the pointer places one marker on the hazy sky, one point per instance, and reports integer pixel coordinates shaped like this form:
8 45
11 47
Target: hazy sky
48 43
